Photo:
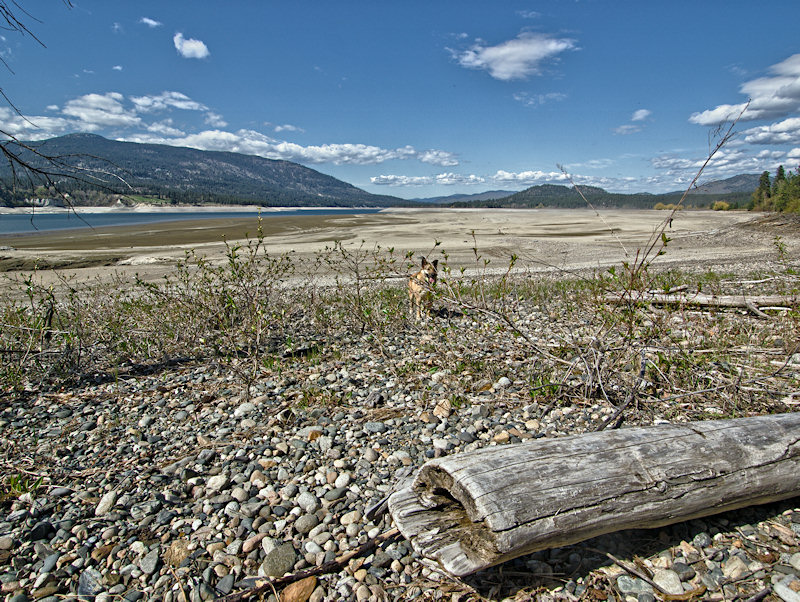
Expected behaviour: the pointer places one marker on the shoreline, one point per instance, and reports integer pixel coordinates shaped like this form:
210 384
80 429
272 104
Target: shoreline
567 239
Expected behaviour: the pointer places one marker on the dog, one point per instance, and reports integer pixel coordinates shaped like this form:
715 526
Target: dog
420 288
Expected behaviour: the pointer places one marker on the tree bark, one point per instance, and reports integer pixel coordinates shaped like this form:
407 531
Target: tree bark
477 509
704 300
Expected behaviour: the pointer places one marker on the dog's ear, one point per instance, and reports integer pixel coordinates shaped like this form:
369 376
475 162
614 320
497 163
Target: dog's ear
435 264
424 262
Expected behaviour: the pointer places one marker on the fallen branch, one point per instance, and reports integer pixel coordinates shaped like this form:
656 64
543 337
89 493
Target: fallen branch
704 300
473 510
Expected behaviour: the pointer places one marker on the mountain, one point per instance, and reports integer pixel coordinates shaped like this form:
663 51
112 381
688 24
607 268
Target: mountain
741 183
489 195
736 191
191 175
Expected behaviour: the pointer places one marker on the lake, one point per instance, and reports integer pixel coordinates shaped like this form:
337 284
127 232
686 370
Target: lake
24 223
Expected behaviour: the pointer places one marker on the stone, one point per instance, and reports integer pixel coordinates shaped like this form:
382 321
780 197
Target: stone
218 482
668 580
305 523
308 502
734 567
299 591
151 562
106 503
244 409
279 561
90 584
633 586
785 592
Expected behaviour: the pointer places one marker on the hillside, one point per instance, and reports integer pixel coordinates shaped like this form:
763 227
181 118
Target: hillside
489 195
191 175
736 191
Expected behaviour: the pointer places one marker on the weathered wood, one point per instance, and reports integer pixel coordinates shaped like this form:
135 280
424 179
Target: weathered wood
473 510
705 300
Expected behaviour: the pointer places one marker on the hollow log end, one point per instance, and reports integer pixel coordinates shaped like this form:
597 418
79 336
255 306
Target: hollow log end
445 535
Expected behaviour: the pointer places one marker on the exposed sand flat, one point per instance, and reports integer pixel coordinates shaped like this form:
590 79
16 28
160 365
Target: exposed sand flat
541 238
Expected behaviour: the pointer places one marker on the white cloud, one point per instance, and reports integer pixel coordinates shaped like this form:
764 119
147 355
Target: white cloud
641 115
255 143
394 180
117 28
528 178
782 132
519 58
725 163
625 130
287 128
215 120
771 97
37 127
150 22
165 128
442 179
97 111
116 68
535 100
190 48
165 100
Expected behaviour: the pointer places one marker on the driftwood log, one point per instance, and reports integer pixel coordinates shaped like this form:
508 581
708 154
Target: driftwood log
754 303
477 509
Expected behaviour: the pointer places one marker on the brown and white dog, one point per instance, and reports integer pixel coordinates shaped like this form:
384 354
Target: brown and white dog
420 288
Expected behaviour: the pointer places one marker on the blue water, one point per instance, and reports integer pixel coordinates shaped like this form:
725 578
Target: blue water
39 222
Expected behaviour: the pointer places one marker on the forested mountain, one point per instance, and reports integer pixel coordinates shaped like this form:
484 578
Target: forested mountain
187 175
489 195
556 195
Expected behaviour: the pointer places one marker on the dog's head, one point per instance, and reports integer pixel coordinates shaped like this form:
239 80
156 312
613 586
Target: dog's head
429 271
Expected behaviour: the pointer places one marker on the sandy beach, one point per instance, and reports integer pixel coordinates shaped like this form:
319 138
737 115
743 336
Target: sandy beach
543 239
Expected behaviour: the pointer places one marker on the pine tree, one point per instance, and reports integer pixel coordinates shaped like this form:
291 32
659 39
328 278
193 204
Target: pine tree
762 194
780 178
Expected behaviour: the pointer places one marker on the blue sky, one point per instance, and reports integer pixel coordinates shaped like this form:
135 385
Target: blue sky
423 98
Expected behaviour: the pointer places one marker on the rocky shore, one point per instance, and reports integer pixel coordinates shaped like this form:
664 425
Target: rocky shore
174 485
175 481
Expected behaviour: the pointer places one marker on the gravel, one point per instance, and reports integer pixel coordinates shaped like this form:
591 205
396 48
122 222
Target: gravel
176 481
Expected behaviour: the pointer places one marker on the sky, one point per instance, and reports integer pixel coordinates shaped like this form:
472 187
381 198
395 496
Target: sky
423 98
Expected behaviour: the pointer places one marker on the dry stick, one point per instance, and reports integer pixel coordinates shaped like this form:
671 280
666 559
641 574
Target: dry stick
658 235
328 567
616 419
630 569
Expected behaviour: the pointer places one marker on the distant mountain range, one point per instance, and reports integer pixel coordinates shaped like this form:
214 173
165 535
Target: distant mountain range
186 175
191 175
489 195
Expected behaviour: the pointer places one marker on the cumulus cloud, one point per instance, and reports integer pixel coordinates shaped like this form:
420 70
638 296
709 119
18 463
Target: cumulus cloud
641 115
443 179
152 23
37 127
724 164
165 128
165 100
116 68
287 128
772 97
189 48
140 119
98 111
519 58
252 142
215 120
528 178
782 132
